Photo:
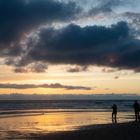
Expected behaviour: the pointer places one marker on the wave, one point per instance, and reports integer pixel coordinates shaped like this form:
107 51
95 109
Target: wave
8 108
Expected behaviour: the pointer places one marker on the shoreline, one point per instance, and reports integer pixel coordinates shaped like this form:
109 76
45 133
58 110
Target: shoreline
119 131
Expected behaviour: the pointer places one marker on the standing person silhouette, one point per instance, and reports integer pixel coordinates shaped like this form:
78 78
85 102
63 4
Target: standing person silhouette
114 113
136 107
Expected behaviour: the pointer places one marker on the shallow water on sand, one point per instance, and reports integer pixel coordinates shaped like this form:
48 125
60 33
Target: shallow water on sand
15 126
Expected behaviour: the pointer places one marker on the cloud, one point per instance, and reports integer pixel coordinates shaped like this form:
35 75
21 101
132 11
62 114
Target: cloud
108 6
19 17
116 77
134 21
111 11
112 46
109 70
53 86
33 68
76 69
103 7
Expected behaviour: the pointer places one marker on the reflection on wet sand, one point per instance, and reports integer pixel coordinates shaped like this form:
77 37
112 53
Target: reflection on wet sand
51 122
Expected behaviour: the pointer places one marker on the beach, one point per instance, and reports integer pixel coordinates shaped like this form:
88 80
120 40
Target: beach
69 125
121 131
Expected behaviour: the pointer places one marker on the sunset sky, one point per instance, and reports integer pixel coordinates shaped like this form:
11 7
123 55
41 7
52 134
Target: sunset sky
69 46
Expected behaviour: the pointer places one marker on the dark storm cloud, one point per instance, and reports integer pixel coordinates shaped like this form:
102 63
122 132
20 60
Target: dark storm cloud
91 45
56 85
18 17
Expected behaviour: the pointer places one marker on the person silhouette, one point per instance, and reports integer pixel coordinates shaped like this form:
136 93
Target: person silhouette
136 107
114 113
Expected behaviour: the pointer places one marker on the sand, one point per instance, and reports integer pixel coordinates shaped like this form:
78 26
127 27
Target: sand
123 131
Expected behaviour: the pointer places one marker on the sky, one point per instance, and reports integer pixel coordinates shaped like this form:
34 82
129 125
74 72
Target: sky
70 46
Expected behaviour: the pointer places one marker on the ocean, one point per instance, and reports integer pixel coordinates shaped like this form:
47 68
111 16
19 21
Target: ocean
98 105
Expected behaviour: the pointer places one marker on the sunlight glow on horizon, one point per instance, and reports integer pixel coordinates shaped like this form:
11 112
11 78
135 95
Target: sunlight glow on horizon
101 82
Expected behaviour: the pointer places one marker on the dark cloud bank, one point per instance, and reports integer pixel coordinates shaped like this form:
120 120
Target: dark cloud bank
53 86
18 17
91 45
113 46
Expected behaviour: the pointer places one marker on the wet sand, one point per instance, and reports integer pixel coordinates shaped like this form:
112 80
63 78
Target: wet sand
123 131
68 126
